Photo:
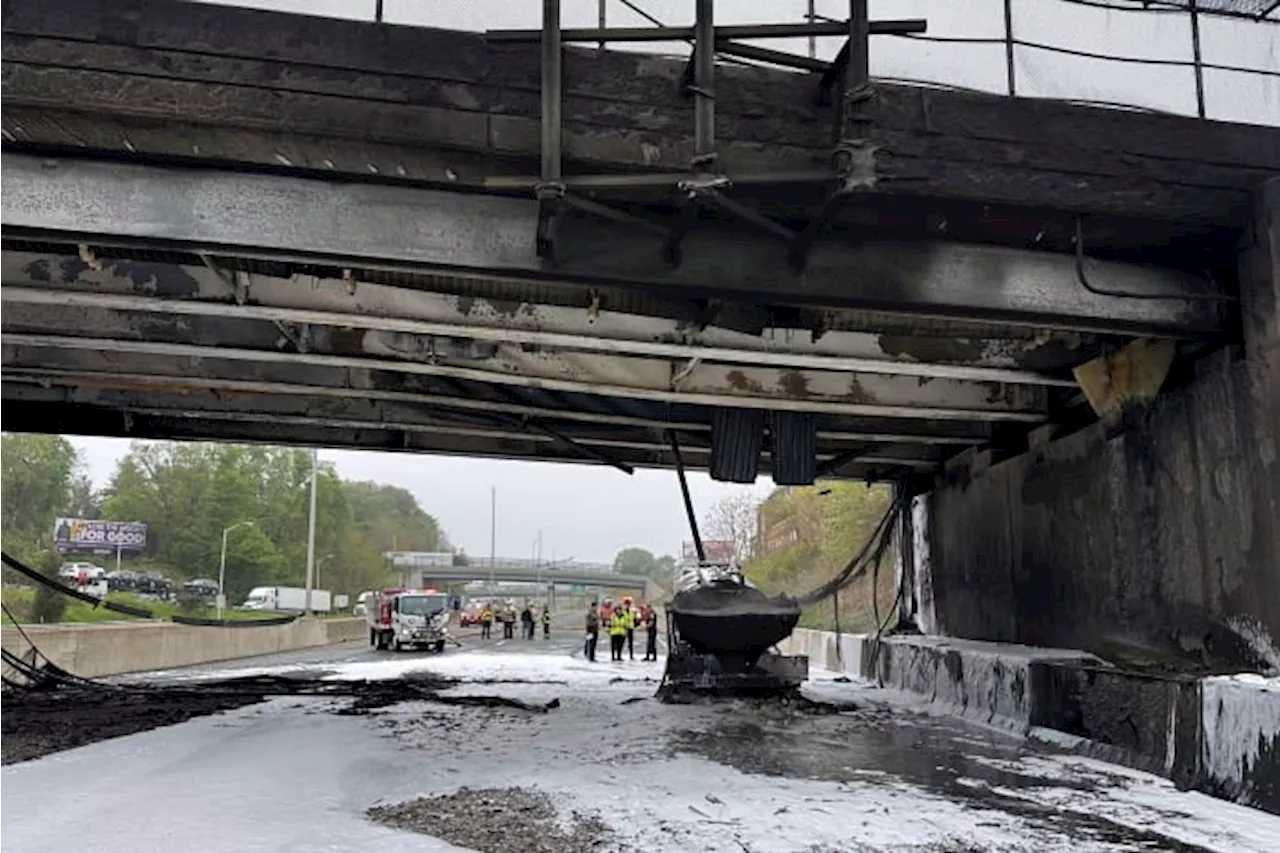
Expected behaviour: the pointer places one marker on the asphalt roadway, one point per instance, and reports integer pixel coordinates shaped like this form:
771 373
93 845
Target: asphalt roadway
886 774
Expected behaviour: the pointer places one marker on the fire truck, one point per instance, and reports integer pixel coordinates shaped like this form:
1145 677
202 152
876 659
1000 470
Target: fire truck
408 618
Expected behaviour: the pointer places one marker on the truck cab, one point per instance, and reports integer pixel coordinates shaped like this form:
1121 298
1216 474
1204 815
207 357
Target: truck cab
408 618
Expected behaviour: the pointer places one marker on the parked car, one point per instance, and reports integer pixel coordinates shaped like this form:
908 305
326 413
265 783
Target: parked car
79 570
201 588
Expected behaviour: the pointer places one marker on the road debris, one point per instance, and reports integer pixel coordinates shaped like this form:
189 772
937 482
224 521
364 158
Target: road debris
66 712
486 820
37 723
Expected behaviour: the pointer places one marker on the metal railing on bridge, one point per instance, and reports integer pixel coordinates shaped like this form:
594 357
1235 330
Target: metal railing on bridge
1206 58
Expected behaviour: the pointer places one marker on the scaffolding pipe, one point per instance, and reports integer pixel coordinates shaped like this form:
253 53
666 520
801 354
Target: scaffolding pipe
551 130
704 52
859 70
897 26
1010 74
1196 58
809 18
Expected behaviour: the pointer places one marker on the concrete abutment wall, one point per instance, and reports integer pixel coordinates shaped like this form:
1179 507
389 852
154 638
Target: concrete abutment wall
99 649
1161 538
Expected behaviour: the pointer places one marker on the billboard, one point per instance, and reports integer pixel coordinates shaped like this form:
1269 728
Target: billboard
90 536
420 559
717 551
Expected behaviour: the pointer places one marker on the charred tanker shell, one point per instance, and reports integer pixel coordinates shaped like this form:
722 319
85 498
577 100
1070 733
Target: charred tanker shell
736 620
720 631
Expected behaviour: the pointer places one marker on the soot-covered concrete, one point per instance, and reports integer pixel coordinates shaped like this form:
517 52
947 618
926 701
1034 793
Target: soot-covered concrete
1155 541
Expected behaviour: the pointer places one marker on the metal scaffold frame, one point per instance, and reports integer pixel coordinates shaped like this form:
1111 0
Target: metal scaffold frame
704 184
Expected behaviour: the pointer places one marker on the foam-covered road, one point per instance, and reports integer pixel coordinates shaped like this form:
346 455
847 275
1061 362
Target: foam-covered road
295 774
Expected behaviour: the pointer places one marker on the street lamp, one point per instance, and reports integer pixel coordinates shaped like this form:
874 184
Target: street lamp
222 565
320 562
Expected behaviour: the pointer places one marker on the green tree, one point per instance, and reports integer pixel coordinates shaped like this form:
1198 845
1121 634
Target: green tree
188 493
390 517
252 560
639 561
84 501
35 486
809 533
48 605
634 561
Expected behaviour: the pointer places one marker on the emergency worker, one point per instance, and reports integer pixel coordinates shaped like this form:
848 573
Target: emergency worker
486 622
651 633
526 622
618 623
633 620
593 633
509 622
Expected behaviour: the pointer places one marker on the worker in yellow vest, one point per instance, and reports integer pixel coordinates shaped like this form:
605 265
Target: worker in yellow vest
633 621
619 623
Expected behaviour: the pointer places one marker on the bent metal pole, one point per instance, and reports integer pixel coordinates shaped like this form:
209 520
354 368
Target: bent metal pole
688 500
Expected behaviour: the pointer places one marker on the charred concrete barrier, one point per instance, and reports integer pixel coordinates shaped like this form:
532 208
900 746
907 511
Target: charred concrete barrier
1240 738
113 648
1219 734
987 682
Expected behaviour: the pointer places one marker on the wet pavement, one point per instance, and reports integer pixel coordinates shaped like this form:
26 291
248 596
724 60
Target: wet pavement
885 774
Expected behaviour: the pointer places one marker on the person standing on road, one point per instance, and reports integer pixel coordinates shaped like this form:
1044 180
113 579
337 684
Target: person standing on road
486 622
651 633
526 622
618 632
632 622
593 633
509 622
546 622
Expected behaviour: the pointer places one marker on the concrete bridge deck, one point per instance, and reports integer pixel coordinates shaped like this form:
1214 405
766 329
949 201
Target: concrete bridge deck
235 224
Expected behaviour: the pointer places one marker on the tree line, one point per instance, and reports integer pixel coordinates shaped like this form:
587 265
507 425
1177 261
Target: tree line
188 493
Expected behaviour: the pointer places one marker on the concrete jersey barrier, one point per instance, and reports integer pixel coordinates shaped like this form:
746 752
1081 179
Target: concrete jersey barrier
1218 733
113 648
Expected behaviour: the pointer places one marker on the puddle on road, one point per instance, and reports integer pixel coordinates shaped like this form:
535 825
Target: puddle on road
876 747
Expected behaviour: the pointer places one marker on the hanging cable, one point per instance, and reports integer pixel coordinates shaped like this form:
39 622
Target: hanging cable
876 544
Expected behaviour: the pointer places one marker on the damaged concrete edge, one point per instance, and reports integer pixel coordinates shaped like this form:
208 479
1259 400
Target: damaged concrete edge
1218 734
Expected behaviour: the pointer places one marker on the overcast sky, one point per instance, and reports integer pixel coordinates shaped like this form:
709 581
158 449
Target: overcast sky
589 512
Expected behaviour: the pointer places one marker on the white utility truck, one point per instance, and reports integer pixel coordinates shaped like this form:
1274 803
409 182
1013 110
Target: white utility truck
286 599
400 618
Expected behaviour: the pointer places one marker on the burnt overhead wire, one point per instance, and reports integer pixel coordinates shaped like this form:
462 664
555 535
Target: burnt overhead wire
657 22
138 612
1135 60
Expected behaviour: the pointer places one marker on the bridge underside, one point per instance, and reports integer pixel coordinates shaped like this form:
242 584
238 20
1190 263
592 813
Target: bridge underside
160 302
243 240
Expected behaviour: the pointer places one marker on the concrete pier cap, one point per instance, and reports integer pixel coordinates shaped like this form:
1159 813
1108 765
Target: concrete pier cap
1156 542
1152 545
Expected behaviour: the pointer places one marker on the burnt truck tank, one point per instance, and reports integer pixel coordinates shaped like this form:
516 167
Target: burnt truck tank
720 632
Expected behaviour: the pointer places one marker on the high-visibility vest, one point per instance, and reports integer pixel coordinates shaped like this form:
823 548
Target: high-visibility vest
618 624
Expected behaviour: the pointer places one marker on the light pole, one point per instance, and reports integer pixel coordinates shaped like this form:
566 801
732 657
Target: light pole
493 533
311 535
222 565
320 563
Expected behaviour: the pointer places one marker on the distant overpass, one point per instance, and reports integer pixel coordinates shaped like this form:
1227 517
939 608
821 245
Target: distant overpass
520 574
